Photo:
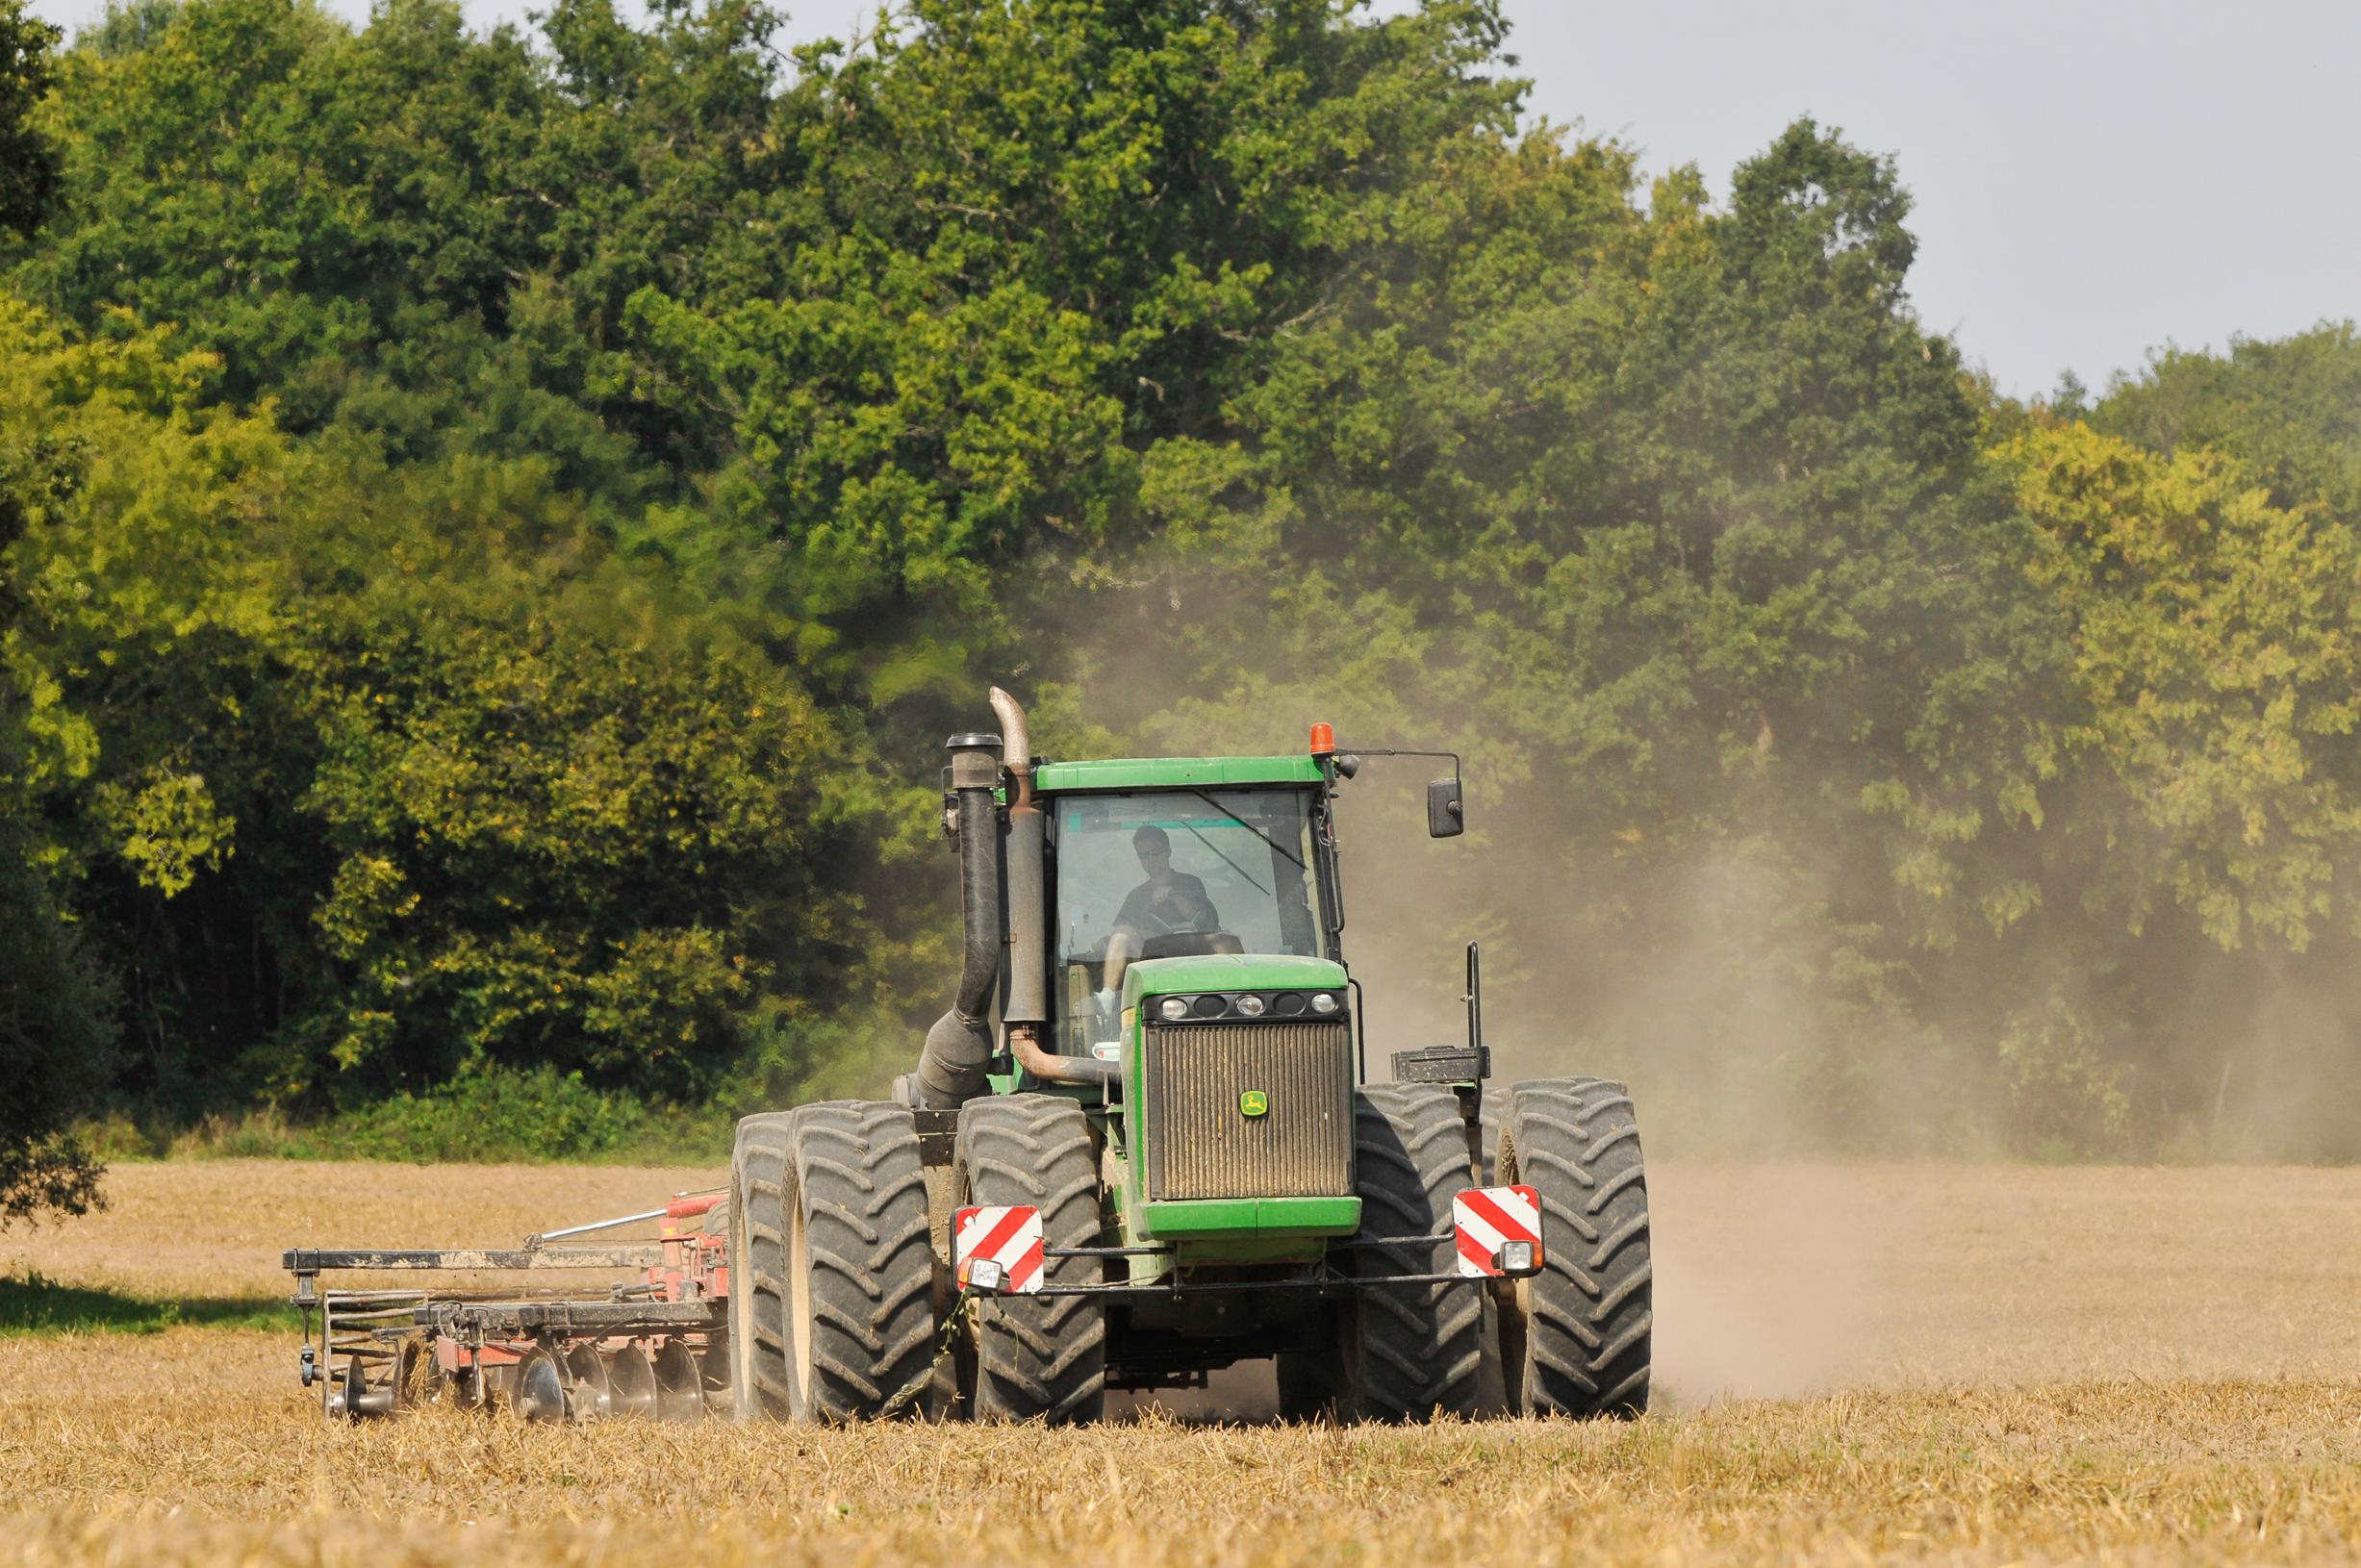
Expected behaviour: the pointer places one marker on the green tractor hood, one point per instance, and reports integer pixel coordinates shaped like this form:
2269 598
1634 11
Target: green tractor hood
1229 972
1233 1229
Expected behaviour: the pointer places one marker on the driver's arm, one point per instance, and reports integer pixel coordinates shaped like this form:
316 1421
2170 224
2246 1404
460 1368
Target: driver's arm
1132 917
1210 920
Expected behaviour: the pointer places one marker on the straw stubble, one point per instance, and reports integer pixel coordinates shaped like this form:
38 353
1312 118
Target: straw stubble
1995 1365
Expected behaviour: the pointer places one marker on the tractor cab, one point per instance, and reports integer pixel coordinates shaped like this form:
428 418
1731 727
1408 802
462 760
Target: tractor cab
1158 870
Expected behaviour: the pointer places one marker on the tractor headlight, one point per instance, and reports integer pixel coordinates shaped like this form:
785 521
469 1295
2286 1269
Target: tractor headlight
1249 1007
1323 1003
1174 1007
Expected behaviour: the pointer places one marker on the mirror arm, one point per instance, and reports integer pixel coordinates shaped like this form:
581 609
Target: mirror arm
1403 752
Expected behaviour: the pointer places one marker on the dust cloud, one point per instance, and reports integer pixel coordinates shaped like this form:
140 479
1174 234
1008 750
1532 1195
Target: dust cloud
1823 1135
1771 1280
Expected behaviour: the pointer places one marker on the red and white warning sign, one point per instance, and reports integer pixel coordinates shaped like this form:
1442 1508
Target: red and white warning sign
998 1249
1499 1230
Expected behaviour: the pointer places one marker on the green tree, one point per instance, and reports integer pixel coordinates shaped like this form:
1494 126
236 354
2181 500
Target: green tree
2290 409
369 777
1680 513
57 1035
56 1044
28 162
1030 241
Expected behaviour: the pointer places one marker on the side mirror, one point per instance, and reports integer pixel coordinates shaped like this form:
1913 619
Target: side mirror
1446 817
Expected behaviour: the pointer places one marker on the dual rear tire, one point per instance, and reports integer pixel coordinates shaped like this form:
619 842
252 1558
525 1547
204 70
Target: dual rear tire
1575 1339
833 1274
835 1281
1396 1353
1035 1356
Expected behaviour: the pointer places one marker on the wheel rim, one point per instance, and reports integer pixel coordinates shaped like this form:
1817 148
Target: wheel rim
799 1304
741 1348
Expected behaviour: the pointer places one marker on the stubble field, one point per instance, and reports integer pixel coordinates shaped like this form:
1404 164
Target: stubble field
1974 1364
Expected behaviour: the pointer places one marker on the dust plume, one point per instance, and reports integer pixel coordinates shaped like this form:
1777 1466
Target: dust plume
1778 1036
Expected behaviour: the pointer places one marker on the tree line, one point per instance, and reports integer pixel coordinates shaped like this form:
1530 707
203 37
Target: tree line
494 526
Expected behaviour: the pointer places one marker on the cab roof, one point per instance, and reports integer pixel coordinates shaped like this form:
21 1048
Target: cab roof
1173 773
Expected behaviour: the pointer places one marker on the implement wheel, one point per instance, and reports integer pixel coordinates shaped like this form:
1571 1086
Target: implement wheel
1403 1353
1035 1357
1575 1337
831 1291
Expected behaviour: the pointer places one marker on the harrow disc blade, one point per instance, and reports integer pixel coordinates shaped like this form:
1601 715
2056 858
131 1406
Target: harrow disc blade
680 1383
355 1398
588 1374
537 1391
631 1384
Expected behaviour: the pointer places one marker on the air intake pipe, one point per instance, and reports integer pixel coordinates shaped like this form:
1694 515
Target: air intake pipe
951 1071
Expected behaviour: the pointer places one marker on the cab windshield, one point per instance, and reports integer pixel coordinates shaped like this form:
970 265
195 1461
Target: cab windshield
1175 873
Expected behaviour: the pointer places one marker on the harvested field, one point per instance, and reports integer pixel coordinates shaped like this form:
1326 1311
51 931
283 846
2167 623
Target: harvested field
1975 1364
216 1227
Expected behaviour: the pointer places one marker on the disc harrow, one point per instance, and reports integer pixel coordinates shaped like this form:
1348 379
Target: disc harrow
650 1348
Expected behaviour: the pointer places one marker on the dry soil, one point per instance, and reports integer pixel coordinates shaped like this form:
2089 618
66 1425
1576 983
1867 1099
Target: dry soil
1972 1364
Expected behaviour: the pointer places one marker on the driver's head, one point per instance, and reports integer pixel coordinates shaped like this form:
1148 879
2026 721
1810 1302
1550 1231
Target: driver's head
1155 849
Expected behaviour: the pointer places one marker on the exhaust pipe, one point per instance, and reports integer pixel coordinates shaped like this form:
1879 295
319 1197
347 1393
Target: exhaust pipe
1028 969
950 1070
1027 1007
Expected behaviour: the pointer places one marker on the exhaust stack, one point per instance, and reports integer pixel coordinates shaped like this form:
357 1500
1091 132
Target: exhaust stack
1026 1009
1027 1002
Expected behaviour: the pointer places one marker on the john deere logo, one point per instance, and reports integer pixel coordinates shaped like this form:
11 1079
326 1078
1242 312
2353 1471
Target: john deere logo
1254 1103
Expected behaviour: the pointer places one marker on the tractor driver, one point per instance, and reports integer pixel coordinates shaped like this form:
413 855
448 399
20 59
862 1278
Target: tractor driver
1169 900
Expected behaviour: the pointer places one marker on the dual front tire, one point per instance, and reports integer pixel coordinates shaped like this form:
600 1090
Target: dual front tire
1574 1340
1396 1353
837 1290
831 1297
1035 1356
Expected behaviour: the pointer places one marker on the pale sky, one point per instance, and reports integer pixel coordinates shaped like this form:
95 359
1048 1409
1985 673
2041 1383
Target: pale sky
2093 178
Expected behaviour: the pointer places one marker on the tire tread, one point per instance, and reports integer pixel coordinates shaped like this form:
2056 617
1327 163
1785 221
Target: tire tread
1589 1313
1037 1358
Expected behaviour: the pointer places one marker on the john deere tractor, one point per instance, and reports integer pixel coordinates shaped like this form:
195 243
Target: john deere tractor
1143 1143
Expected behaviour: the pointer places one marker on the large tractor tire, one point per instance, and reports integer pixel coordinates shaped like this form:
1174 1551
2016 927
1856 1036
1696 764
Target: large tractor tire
831 1291
1035 1357
1574 1338
1400 1353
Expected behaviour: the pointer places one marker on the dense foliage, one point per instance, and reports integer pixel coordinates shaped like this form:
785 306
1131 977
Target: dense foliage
497 526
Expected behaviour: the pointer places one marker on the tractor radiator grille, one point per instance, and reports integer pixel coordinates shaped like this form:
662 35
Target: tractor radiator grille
1202 1144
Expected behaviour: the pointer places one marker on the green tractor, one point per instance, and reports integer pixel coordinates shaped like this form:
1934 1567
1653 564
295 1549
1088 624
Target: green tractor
1143 1145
